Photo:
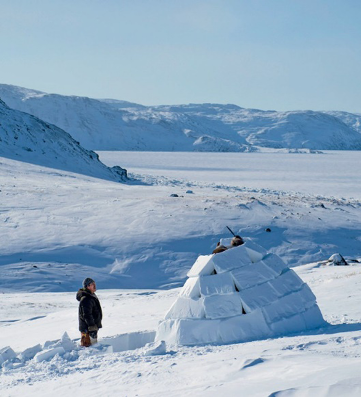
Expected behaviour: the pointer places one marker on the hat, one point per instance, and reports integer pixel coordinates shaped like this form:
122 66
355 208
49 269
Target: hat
87 281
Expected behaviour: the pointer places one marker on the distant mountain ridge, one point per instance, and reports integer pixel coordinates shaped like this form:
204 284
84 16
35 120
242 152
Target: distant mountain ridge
110 124
26 138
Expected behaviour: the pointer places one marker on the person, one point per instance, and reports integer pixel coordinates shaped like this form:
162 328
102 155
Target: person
90 313
219 248
236 241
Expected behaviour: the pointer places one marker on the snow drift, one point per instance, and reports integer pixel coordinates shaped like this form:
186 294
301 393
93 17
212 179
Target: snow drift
26 138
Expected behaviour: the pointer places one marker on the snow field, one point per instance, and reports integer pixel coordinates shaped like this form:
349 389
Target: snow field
318 362
136 234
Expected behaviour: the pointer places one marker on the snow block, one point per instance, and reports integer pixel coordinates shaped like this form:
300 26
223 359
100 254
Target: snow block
244 328
6 353
222 306
168 331
46 355
259 296
255 251
252 275
29 353
216 284
287 283
128 341
290 304
186 308
231 259
274 262
191 288
194 332
313 317
202 266
308 296
292 324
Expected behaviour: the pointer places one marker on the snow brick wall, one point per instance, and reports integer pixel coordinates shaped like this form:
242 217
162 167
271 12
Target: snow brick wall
239 295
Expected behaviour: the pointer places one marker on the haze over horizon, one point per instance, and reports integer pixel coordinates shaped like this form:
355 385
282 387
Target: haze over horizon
276 55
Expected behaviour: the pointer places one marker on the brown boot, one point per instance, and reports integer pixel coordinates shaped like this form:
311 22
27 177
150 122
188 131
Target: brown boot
85 339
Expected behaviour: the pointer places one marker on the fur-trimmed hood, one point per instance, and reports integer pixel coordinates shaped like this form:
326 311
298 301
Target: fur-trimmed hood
84 292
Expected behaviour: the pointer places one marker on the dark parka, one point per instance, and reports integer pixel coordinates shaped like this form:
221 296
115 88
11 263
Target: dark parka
90 311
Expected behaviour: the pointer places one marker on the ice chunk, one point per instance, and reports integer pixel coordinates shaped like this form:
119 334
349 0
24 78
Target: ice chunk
231 259
191 288
217 284
6 353
186 308
46 355
259 296
49 343
155 348
274 262
221 306
29 353
202 266
67 343
244 328
252 275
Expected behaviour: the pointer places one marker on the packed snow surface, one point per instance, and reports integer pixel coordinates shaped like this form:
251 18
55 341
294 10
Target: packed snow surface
139 242
119 125
322 362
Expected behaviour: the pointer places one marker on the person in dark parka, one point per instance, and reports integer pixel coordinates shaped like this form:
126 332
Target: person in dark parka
90 313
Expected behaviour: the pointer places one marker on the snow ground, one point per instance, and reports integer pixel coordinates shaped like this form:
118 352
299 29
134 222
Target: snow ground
323 362
58 227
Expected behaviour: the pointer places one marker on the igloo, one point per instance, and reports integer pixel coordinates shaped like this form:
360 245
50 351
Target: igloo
239 295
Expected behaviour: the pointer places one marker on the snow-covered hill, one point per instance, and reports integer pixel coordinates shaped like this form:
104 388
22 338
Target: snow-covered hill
26 138
119 125
350 119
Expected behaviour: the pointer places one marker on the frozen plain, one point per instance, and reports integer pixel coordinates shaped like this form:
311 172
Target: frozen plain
65 226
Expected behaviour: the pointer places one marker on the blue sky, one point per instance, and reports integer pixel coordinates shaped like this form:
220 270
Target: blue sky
266 54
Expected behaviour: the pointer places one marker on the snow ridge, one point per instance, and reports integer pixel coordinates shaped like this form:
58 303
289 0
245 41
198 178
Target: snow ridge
26 138
109 124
